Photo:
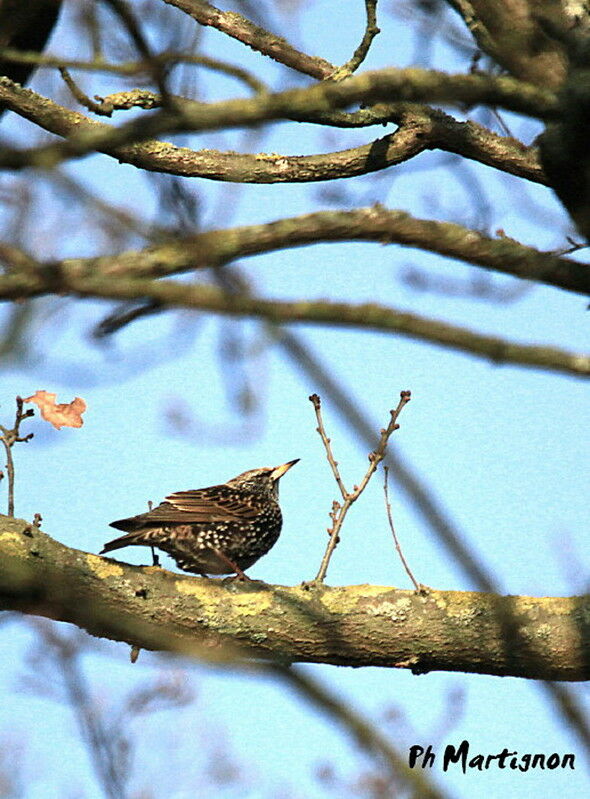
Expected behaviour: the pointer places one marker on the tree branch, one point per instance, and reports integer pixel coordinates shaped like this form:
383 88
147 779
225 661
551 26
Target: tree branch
422 498
369 316
353 625
359 55
255 37
421 128
408 85
219 247
167 58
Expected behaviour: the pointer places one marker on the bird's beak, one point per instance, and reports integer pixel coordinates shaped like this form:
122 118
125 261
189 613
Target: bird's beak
279 471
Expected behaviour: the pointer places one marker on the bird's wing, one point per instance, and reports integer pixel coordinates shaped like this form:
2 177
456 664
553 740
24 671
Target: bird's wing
214 504
217 503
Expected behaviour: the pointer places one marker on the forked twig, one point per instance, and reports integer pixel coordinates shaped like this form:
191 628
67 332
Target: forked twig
359 55
9 437
417 585
338 513
80 96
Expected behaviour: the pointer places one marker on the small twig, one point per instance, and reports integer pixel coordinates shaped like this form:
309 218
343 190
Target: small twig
574 246
80 96
158 70
505 129
124 316
9 437
317 404
417 585
339 512
359 55
166 59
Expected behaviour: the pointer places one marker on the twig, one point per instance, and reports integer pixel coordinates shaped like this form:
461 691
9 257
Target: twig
129 21
574 246
423 499
121 317
359 55
317 404
80 96
176 294
9 437
417 586
166 59
338 513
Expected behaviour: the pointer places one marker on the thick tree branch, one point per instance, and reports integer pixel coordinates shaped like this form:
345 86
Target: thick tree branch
408 85
421 128
353 625
218 247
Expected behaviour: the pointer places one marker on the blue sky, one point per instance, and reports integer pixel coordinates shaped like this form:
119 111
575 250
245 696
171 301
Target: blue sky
501 447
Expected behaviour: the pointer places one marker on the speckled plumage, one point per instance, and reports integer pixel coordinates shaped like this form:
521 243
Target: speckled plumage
221 529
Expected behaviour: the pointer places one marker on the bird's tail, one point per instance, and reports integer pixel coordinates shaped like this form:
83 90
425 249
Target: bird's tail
137 537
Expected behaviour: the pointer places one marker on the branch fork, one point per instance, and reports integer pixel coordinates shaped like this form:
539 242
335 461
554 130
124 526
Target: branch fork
339 511
9 437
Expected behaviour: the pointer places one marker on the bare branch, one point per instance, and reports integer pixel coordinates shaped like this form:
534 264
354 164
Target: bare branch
359 55
339 512
9 437
369 316
417 586
218 247
421 128
410 85
252 35
157 609
80 96
317 404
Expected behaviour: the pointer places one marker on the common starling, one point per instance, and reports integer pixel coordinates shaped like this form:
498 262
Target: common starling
222 529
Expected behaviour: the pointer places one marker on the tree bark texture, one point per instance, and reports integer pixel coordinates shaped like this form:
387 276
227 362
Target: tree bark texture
358 625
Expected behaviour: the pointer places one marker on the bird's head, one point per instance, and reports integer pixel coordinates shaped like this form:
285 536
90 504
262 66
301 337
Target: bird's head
264 480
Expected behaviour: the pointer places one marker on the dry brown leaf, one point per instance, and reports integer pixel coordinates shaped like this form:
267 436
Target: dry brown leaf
64 414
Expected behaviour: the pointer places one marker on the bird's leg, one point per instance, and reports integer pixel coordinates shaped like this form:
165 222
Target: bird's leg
155 558
234 567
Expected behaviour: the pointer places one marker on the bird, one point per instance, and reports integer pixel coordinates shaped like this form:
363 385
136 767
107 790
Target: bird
222 529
